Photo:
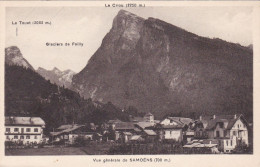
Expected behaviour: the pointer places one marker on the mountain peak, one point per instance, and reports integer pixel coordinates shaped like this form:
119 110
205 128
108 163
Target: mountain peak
13 56
160 68
125 19
126 13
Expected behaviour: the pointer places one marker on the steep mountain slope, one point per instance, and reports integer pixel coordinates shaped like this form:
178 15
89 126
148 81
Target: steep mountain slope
56 76
29 94
14 57
160 68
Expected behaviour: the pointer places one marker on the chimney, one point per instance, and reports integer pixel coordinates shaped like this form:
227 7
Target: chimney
200 118
235 116
214 116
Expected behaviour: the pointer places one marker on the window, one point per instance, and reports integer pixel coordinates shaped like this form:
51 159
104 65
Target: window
200 133
227 142
221 124
16 129
225 133
217 133
15 137
7 129
28 129
7 137
35 129
35 137
27 137
234 133
231 142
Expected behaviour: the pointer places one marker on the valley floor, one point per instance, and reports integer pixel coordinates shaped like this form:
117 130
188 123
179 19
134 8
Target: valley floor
86 150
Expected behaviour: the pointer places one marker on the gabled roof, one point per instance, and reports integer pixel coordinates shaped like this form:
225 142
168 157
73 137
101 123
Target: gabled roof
150 132
127 133
69 128
171 127
63 127
181 120
136 137
24 121
210 123
148 114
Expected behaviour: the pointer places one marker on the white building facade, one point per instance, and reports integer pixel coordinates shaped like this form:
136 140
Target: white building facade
28 130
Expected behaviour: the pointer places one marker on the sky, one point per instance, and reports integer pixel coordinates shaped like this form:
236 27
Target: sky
89 25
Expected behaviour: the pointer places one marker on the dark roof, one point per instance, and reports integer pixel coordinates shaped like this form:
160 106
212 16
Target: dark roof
181 120
24 121
124 126
63 127
229 120
170 127
144 125
148 114
69 128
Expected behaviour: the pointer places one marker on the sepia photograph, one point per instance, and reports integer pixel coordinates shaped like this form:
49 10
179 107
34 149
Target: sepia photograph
128 79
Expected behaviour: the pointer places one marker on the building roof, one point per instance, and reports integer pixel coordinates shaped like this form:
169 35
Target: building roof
69 128
209 122
144 125
181 120
169 126
124 126
137 130
205 145
148 114
114 121
37 121
136 137
127 133
63 127
150 132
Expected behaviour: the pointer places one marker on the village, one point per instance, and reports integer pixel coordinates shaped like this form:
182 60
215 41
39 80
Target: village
214 134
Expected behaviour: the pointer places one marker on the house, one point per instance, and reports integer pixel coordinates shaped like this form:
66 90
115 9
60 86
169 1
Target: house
149 135
69 133
24 129
230 130
174 128
136 139
169 132
201 147
119 127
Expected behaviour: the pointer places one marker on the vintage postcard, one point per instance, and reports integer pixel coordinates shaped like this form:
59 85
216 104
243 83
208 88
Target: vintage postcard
129 83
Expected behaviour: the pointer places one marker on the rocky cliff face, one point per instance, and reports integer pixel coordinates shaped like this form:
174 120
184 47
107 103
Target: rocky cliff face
13 56
56 76
160 68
